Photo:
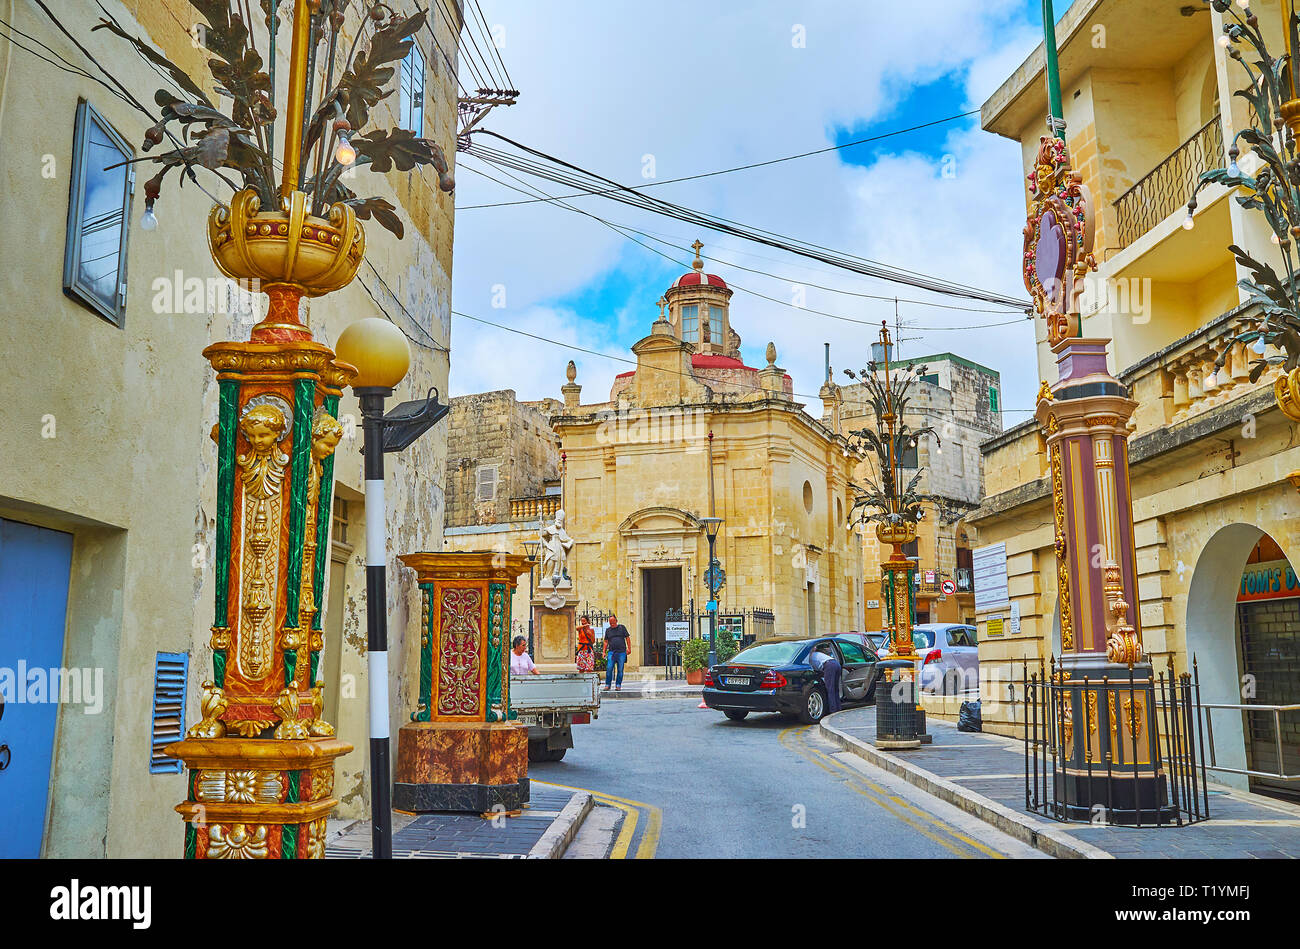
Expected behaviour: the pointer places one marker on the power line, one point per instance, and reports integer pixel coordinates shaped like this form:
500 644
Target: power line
844 261
757 164
621 231
632 362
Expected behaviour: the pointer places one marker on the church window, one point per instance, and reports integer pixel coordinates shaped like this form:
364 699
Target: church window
715 324
691 323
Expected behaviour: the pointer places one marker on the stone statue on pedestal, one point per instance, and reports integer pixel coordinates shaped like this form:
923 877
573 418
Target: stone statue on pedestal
556 543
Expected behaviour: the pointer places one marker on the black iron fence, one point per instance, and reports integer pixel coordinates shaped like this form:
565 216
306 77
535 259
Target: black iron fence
1124 749
1170 184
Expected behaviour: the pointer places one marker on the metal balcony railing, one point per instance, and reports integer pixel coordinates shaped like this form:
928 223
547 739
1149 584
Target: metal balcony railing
1169 185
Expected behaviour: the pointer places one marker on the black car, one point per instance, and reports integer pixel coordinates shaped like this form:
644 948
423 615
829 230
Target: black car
775 676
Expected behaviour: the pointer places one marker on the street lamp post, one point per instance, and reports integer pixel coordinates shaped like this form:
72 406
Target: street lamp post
381 355
711 527
531 547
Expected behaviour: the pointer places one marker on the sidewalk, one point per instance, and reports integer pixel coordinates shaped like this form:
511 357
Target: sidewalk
635 687
984 775
544 830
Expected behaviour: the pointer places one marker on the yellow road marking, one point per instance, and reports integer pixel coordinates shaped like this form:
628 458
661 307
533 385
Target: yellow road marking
649 844
882 796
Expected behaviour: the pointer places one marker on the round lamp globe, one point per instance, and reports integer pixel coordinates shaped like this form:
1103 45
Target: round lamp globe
378 350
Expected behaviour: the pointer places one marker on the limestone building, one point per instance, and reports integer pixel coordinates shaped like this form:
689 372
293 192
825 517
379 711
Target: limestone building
1146 113
502 477
694 432
961 401
108 481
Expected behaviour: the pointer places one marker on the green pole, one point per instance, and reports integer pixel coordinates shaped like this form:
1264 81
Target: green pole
1053 71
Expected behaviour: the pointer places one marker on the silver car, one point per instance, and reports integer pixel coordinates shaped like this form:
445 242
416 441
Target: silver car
950 657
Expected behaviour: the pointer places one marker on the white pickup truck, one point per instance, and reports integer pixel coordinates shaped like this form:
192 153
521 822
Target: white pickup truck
550 705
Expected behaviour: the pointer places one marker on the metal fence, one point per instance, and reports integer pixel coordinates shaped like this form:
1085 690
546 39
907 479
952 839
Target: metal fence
1279 774
1170 184
1066 741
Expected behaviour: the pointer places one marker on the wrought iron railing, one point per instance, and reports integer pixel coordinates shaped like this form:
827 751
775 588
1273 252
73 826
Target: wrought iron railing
1067 741
1169 185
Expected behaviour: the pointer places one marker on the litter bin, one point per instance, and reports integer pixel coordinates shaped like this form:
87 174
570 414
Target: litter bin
896 717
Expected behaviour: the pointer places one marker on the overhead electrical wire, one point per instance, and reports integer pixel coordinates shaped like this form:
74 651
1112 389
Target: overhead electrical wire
676 372
623 230
547 169
757 164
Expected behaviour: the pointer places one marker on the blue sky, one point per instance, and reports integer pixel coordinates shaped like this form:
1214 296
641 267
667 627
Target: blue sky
735 89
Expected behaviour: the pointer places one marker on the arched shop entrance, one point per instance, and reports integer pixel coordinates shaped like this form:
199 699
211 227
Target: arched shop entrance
1243 625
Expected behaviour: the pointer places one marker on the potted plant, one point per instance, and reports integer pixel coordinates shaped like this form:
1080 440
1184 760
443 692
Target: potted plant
724 642
695 659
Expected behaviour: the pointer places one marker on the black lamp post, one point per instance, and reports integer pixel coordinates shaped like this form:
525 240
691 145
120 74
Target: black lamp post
713 577
380 353
531 547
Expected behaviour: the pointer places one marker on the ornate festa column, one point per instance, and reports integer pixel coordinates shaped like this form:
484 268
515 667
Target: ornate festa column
463 749
1105 726
260 762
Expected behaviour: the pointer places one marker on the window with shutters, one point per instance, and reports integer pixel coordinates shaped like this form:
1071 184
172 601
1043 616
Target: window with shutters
170 671
340 518
487 483
993 399
99 215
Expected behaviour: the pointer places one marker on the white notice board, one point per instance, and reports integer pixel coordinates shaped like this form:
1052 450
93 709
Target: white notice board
990 565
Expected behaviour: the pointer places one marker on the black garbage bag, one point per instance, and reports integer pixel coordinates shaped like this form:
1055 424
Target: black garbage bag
968 719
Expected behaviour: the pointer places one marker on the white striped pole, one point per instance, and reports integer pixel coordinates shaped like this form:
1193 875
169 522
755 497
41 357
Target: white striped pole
381 809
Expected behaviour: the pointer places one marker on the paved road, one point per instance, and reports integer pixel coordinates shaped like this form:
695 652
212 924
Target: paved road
690 783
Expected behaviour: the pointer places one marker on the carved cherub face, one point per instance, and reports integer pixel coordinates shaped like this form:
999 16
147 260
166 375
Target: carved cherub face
325 435
263 426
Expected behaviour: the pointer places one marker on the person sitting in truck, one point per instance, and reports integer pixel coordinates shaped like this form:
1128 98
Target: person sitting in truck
521 664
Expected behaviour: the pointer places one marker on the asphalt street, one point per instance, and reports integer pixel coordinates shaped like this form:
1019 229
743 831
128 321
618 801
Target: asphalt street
690 783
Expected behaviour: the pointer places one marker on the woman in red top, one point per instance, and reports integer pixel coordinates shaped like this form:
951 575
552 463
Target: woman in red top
585 658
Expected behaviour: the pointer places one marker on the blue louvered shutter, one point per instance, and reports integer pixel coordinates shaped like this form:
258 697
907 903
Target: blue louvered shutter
169 674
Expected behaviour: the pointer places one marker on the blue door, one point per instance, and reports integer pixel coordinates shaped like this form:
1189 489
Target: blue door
35 565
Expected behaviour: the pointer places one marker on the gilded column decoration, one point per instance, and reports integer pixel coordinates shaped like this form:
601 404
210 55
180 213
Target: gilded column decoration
1084 418
461 750
265 422
458 652
497 672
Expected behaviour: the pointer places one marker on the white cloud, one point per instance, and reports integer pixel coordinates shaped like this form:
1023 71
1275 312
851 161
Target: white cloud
702 87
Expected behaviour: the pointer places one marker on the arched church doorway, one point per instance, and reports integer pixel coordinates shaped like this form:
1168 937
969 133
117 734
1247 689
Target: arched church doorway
1243 625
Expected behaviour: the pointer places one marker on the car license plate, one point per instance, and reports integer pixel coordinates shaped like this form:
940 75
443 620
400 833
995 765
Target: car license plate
737 680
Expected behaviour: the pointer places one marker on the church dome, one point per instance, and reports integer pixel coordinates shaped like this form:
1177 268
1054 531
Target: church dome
696 277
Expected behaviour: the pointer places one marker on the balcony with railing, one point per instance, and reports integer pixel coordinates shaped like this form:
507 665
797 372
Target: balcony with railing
530 509
1168 186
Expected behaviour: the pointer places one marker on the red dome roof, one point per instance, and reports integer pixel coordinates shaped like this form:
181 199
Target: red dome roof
695 279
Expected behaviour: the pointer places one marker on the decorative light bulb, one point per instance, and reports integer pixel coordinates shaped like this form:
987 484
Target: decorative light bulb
345 153
1211 379
1189 222
1275 239
1259 346
1243 3
1225 40
148 221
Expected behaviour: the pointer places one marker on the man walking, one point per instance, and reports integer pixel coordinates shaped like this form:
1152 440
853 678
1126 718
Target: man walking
616 649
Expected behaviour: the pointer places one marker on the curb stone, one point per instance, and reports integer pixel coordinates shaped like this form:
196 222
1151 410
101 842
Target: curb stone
563 829
1037 834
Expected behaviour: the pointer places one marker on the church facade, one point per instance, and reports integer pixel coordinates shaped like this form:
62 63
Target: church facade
694 432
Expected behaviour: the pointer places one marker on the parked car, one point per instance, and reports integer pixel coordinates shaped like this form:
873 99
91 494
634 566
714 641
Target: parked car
875 641
775 676
950 658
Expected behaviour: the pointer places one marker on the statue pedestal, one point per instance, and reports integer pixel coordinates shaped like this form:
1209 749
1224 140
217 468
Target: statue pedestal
555 631
463 749
461 766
